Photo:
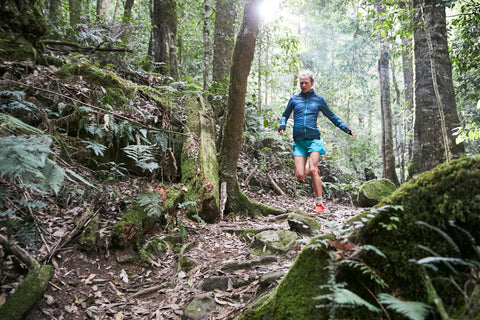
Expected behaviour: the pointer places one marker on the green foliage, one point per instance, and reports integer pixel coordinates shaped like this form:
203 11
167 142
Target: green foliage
12 101
143 155
27 157
411 309
151 202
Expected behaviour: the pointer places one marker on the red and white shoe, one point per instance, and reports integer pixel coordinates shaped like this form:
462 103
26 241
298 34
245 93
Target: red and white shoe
319 208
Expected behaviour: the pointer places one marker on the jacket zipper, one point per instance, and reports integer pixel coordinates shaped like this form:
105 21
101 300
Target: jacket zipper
305 119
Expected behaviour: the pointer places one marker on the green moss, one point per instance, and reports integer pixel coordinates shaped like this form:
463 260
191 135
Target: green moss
447 193
294 297
27 293
117 91
88 238
373 191
129 230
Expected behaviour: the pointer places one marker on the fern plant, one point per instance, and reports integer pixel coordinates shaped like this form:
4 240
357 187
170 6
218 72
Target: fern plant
27 157
463 275
15 101
151 202
143 155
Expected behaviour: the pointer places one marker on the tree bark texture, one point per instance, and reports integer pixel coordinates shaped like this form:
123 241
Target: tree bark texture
164 34
435 107
103 9
55 12
386 108
127 11
199 161
206 46
22 26
75 10
234 124
224 39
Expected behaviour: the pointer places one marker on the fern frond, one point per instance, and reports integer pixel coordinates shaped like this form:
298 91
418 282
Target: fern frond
143 155
411 309
151 202
54 175
27 157
97 147
369 247
342 296
12 126
442 233
458 261
70 174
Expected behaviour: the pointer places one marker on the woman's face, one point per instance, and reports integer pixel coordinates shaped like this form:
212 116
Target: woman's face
305 84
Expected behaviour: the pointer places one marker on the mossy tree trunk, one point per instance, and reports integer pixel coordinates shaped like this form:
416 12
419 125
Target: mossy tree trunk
234 124
199 161
164 36
435 107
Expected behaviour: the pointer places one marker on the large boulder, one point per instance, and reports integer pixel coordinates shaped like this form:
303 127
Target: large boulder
373 191
420 244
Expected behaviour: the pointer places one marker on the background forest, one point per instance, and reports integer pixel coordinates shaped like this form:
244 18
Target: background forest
97 98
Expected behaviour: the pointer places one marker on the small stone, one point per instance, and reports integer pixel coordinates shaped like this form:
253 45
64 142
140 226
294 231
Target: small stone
199 308
216 282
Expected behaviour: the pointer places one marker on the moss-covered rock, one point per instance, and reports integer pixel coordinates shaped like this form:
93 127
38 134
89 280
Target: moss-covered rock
437 214
274 241
302 223
407 227
294 296
88 238
373 191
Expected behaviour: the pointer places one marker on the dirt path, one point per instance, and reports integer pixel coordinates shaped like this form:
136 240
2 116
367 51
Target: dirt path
97 287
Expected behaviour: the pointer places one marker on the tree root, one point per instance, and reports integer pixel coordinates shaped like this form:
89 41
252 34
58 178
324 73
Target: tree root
31 288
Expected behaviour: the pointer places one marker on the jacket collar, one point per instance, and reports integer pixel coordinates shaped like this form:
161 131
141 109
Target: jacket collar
307 93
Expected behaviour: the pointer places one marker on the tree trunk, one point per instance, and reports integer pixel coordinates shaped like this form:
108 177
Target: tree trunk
206 46
435 107
127 11
75 10
386 108
55 12
234 124
199 161
103 9
163 37
224 39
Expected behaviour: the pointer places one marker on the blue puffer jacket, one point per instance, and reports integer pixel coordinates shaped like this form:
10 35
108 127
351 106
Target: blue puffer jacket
305 107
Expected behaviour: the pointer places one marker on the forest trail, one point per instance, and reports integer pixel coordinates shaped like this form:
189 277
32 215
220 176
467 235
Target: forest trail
97 286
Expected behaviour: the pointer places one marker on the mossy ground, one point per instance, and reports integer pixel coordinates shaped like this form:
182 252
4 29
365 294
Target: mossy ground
117 91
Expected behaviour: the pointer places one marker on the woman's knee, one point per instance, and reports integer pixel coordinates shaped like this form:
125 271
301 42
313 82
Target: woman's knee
314 171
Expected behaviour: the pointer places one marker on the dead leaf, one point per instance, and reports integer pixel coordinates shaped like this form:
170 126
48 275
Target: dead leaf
124 276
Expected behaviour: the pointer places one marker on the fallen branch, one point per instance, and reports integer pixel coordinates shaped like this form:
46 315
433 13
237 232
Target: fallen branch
76 47
274 184
85 220
32 287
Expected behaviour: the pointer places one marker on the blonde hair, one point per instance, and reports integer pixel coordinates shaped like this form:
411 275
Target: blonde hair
307 73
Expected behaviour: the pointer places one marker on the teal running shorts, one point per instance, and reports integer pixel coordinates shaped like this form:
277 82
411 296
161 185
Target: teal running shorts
302 148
